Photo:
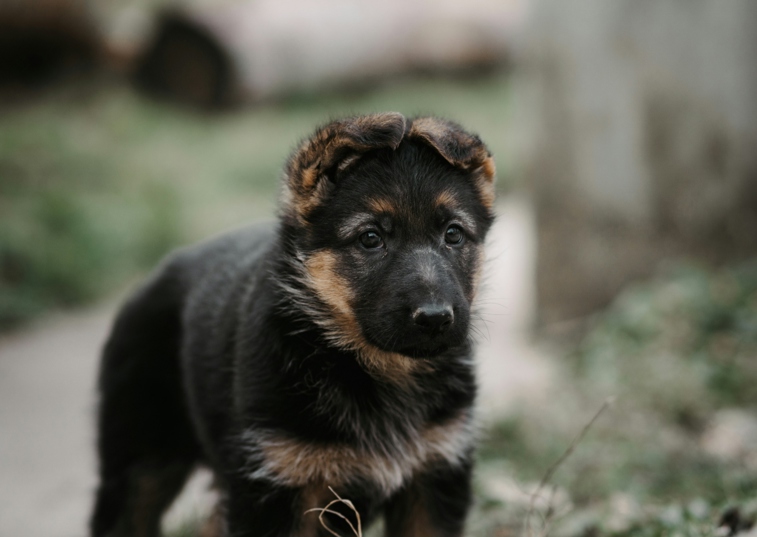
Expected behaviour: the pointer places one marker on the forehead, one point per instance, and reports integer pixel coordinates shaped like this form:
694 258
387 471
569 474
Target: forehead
412 183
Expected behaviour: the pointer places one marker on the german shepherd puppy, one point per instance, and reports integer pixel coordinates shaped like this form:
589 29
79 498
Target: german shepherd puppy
329 350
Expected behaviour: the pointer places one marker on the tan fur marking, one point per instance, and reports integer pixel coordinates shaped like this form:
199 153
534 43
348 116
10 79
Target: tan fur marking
312 497
297 463
416 521
347 162
478 271
343 328
327 147
306 203
485 182
419 524
381 206
308 178
486 191
489 168
446 199
332 288
443 136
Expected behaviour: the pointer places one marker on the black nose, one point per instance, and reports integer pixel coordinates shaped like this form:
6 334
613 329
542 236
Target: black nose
434 317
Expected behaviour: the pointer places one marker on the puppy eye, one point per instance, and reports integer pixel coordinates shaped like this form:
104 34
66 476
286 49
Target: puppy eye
453 235
371 239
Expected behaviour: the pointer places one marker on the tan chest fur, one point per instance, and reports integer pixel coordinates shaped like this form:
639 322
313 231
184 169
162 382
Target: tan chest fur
297 463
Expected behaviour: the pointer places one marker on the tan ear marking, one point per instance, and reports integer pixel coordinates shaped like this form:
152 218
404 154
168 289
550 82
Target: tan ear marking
458 147
489 169
309 176
485 182
461 149
334 144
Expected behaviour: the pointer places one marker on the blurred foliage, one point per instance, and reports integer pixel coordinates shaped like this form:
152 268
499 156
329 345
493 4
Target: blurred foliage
706 323
675 352
697 519
97 183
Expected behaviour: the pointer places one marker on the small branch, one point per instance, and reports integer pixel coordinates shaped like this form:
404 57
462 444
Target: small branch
323 510
553 468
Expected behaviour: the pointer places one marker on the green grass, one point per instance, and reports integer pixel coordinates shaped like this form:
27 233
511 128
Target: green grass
97 182
674 351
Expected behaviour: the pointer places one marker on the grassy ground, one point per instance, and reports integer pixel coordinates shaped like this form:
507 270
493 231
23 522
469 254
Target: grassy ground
97 182
679 444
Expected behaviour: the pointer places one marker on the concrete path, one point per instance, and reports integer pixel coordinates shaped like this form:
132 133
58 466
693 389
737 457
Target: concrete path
46 439
47 378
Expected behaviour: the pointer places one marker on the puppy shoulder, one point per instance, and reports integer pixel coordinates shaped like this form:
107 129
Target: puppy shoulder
228 249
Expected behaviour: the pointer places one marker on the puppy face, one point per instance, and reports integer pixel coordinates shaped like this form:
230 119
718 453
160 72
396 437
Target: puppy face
388 219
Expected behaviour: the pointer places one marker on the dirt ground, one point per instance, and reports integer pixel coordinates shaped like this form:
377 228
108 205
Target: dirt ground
47 377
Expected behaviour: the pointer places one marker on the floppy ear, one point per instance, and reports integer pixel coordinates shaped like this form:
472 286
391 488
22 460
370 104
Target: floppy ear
462 149
313 165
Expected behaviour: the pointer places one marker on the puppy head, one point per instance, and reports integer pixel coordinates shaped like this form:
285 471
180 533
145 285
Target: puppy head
387 218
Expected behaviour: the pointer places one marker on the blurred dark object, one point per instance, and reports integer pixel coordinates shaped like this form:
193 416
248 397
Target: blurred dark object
735 522
42 41
644 124
218 55
186 62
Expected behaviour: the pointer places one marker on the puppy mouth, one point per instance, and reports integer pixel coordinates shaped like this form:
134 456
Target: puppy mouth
416 347
424 346
418 343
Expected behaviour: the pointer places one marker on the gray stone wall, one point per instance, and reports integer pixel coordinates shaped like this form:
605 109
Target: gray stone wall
640 131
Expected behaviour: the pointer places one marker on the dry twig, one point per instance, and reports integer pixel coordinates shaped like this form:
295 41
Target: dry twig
323 510
546 520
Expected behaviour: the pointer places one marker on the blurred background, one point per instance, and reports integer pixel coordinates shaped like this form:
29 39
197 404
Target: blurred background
623 265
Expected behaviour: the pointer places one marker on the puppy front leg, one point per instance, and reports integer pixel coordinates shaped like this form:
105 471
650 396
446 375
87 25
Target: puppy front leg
434 504
256 508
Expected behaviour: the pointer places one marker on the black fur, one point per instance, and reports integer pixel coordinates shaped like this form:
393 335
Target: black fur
236 354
